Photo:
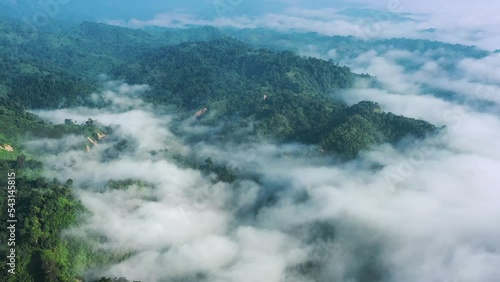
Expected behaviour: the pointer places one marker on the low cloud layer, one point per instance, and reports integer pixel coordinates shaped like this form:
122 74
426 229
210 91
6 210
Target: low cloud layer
417 211
469 23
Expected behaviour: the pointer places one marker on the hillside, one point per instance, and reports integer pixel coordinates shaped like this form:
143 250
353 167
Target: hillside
237 87
44 208
290 97
88 49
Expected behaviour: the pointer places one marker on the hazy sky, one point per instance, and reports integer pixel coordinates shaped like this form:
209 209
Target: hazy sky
465 22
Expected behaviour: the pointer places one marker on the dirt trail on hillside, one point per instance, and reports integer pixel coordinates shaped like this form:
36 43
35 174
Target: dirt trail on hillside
7 148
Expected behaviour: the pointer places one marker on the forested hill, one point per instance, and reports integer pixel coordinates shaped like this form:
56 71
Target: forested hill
290 98
89 49
228 83
287 97
195 73
34 85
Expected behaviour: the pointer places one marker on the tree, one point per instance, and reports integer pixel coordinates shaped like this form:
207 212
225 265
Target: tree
90 122
20 160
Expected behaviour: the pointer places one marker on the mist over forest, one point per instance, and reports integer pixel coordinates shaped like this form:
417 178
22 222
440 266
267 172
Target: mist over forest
289 144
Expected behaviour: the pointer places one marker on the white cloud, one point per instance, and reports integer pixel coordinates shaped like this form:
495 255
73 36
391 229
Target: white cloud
469 23
419 211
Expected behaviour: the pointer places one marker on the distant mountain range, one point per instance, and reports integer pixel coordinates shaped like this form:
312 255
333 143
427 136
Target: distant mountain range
209 70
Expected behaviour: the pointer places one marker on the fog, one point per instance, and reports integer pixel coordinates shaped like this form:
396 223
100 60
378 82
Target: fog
416 211
462 22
